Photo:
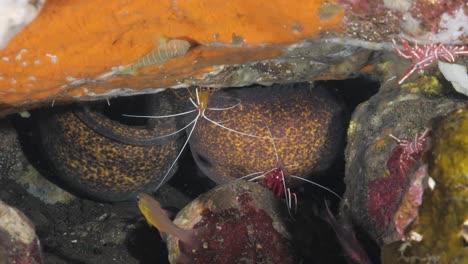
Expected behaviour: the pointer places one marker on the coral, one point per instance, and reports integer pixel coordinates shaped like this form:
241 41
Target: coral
426 12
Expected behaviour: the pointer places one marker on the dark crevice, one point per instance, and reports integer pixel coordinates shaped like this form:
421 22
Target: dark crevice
143 242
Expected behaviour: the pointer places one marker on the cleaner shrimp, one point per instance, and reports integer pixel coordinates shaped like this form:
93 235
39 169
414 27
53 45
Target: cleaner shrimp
200 101
275 179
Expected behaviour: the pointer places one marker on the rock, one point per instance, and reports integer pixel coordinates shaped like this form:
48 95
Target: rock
240 221
317 40
382 177
12 160
14 166
437 231
456 74
218 37
18 240
207 66
42 188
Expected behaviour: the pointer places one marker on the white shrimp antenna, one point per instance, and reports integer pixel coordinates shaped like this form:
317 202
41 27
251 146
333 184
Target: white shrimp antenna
201 114
178 156
272 141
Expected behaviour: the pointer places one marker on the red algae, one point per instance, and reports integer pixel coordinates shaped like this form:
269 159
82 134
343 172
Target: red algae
386 192
430 12
363 7
237 235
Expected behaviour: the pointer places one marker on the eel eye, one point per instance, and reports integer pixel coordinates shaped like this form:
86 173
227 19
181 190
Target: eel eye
138 198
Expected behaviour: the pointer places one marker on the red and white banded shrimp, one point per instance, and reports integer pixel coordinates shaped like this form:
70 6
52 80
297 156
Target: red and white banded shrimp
408 151
199 99
275 179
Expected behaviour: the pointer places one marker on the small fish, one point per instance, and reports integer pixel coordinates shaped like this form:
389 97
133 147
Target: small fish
157 217
166 50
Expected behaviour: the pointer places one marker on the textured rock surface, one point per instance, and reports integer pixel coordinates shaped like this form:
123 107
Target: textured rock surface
108 34
18 240
76 230
12 160
235 45
426 21
14 166
377 175
203 66
437 233
240 221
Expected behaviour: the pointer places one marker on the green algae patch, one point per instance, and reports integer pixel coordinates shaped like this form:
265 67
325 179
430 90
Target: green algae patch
436 234
429 85
352 128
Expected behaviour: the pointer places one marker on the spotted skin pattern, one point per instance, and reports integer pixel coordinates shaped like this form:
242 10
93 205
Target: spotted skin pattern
306 123
100 167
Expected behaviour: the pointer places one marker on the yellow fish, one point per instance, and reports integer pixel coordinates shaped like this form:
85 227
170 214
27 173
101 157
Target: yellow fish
157 217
